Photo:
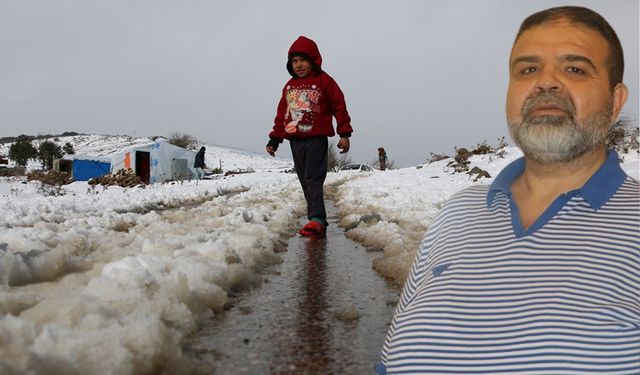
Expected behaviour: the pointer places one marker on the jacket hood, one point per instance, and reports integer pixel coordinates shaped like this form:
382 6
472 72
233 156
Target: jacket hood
307 47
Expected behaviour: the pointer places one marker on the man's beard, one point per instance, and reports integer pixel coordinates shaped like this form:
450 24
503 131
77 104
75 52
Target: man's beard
549 139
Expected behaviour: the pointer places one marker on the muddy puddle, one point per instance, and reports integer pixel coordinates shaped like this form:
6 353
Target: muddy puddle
324 310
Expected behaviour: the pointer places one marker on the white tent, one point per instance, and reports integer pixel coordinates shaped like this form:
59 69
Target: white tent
156 162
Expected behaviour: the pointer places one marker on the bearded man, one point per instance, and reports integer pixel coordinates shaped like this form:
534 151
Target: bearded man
538 273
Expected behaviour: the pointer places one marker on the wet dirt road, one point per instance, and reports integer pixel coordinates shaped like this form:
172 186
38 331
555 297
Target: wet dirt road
324 310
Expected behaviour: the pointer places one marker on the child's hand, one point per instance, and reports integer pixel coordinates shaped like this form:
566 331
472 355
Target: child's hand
344 144
272 146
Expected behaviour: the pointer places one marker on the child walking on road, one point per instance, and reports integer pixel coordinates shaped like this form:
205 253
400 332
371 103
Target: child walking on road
305 114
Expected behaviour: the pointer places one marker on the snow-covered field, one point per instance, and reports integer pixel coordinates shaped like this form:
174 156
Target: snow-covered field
99 281
110 281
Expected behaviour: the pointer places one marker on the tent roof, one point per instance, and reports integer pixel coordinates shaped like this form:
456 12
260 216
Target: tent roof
103 159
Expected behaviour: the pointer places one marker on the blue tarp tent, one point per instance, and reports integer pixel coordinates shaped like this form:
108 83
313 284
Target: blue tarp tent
83 167
84 170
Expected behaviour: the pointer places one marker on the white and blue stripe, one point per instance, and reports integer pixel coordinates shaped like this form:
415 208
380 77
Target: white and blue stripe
486 296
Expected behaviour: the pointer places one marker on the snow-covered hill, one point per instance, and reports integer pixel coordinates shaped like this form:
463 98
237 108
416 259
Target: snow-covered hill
105 145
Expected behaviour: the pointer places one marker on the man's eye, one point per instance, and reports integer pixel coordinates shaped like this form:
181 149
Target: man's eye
528 70
574 70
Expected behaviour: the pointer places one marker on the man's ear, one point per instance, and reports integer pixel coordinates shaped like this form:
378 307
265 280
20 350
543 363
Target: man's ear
620 93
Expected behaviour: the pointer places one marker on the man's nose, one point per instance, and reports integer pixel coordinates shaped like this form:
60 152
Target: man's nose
549 81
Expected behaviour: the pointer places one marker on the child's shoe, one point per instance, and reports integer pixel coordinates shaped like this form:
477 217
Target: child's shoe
313 228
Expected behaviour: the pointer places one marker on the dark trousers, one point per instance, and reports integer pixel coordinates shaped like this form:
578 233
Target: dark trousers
310 160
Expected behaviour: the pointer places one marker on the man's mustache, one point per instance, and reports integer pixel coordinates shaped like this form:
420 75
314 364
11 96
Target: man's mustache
548 98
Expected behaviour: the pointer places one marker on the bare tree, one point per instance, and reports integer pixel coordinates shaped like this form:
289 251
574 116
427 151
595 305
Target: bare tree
22 150
48 151
622 135
336 160
68 148
183 140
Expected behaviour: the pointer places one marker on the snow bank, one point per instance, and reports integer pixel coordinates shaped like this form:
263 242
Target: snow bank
110 281
390 211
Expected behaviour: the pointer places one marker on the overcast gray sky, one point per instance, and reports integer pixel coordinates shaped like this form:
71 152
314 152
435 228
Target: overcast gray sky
418 76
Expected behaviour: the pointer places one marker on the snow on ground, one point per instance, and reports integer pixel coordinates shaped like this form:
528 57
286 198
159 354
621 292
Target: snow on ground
237 160
391 210
110 280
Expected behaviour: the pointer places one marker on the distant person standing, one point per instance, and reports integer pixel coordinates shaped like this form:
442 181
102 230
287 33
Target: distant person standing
382 158
199 164
305 114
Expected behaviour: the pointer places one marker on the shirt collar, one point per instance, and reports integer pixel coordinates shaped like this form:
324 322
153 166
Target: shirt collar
596 191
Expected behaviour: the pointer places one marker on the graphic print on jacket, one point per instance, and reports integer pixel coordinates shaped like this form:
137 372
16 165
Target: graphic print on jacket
302 104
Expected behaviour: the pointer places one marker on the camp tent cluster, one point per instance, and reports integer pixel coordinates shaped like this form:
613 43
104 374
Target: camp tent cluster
156 162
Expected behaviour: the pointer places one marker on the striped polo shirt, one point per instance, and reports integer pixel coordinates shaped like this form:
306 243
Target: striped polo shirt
486 296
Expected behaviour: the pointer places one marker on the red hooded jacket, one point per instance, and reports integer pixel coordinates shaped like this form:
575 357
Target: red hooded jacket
308 104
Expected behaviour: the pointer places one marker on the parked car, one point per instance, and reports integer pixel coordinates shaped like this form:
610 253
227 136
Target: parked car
356 167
